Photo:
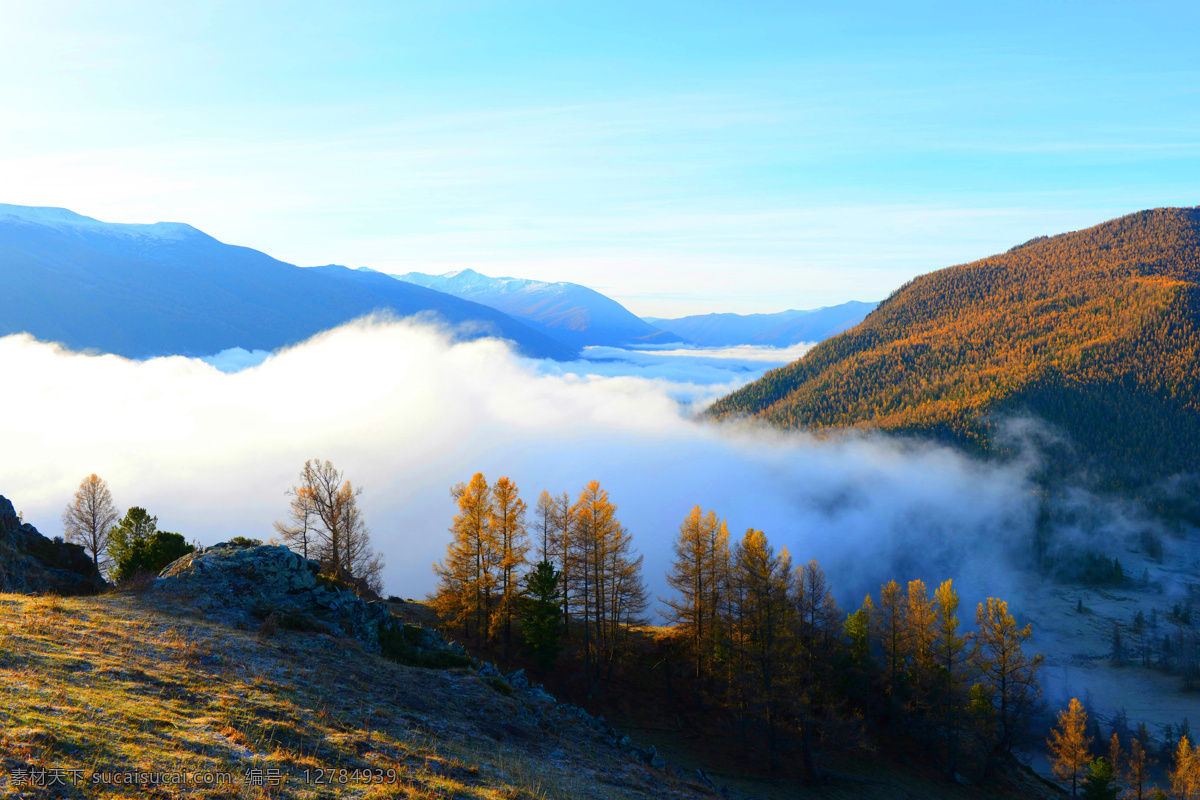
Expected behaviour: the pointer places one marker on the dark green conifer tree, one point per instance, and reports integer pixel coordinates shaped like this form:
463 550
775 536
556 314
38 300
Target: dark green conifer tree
1099 783
542 622
136 545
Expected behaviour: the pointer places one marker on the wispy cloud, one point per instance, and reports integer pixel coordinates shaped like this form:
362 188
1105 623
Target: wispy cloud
830 171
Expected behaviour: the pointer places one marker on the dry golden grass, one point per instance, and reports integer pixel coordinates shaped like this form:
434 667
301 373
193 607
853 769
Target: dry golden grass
135 682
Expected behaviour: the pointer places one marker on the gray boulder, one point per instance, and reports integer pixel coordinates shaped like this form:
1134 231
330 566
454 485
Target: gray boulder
32 564
542 696
272 580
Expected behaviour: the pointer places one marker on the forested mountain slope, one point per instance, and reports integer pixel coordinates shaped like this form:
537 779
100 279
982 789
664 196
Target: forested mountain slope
1096 332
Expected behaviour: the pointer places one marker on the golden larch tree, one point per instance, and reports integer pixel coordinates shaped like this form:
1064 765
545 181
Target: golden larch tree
562 543
467 575
1009 676
1139 767
890 630
1070 745
766 579
919 639
950 652
507 523
1185 770
545 525
1115 755
701 552
920 625
606 576
455 589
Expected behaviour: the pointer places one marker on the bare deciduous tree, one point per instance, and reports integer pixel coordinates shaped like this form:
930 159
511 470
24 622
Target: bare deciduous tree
326 524
89 519
298 532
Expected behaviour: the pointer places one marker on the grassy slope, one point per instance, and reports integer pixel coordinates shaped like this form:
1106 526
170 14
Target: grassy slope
124 682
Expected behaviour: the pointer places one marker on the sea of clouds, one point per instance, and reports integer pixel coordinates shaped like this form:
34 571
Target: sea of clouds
210 446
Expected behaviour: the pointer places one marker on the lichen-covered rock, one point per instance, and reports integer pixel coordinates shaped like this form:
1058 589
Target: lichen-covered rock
32 564
517 680
541 695
262 570
272 580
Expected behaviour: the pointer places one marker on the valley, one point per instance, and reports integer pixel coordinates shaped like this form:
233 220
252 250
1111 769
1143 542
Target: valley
1042 528
541 401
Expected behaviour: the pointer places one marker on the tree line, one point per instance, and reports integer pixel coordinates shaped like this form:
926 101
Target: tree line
324 523
120 546
1099 770
769 653
586 570
769 645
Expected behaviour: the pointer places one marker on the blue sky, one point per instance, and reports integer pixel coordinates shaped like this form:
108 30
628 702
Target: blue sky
681 157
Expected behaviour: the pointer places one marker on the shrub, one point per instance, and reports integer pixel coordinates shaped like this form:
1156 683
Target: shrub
400 645
151 554
242 541
268 627
290 620
332 583
136 545
136 583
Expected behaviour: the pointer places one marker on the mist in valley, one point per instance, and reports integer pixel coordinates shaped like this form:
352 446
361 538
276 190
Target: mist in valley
210 446
406 412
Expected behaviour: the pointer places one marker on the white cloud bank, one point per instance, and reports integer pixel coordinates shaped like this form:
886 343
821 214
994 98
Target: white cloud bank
406 414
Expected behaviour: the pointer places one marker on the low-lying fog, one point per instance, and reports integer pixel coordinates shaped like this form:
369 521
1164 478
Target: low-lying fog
210 446
406 414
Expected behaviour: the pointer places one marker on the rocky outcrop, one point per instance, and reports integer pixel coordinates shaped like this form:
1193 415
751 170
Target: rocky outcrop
32 564
536 712
272 581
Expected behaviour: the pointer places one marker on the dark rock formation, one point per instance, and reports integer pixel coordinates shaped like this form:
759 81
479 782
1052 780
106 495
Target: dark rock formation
538 712
32 564
245 583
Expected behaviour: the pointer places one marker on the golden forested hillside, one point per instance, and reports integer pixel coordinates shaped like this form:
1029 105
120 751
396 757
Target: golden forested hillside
1096 332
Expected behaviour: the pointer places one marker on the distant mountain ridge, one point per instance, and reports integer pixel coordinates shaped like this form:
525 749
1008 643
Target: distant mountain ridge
1096 331
573 314
781 329
170 289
